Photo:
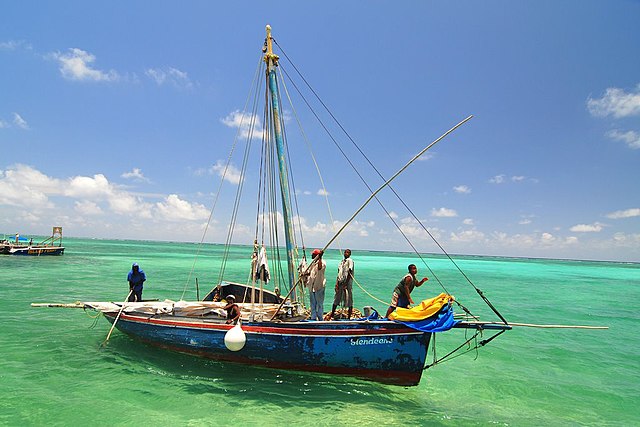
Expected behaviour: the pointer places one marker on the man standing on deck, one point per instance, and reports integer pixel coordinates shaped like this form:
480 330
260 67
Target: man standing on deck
316 283
136 278
344 285
402 292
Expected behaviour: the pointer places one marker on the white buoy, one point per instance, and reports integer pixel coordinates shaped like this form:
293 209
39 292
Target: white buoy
235 339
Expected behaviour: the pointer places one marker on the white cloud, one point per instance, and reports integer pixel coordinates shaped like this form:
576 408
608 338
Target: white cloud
628 213
232 173
88 208
136 174
393 215
76 65
526 219
468 236
462 189
23 186
89 187
498 179
322 192
123 203
249 125
425 157
547 238
631 138
468 221
587 228
626 240
170 75
15 45
616 102
19 121
502 178
3 124
175 209
444 213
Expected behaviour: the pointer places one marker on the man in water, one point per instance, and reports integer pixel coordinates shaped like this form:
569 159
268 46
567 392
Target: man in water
344 285
402 292
136 278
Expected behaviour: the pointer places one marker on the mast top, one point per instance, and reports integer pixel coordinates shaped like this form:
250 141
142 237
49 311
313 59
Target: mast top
270 58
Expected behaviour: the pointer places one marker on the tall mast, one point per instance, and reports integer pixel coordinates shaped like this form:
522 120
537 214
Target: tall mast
272 62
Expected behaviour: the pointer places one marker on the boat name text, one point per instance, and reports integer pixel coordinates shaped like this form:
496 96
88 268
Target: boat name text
371 341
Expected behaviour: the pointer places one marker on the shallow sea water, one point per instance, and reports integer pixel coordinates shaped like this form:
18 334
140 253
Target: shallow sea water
53 370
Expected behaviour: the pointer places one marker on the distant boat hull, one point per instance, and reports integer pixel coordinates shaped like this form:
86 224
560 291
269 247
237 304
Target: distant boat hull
37 250
381 351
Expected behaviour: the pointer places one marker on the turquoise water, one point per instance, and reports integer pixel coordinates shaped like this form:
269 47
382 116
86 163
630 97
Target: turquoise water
53 370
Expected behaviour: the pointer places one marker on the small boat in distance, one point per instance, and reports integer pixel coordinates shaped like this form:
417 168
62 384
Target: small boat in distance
15 241
50 246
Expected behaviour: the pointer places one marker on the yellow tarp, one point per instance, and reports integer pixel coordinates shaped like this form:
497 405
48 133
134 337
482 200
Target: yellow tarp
425 309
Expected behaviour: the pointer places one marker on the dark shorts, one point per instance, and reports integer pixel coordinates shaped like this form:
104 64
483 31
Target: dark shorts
399 301
344 295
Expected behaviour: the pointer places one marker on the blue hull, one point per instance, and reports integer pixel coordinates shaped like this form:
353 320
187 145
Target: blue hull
382 351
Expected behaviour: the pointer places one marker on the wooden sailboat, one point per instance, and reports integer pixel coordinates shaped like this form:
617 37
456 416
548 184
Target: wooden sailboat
276 332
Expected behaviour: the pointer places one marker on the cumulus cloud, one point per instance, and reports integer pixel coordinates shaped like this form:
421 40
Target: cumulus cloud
21 185
628 213
76 64
468 236
322 192
135 174
462 189
468 221
230 173
25 186
248 125
444 213
616 102
587 228
97 186
393 215
631 138
626 240
170 75
175 209
88 208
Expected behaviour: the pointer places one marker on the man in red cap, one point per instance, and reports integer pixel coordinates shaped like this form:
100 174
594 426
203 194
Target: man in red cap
316 283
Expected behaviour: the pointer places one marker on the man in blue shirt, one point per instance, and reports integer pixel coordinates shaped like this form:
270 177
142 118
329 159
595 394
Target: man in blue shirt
135 278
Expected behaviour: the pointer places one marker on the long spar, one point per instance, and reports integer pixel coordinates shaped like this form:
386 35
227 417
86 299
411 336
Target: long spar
440 138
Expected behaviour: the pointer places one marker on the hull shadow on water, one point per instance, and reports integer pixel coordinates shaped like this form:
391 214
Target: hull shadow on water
198 376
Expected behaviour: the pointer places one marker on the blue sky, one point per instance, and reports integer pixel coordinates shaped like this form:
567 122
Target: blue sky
115 117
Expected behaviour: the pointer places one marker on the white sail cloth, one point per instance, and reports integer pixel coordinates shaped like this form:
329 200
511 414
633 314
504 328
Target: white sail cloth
262 269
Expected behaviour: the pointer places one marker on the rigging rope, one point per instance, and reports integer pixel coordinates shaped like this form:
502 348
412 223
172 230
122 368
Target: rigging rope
224 174
308 144
482 296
